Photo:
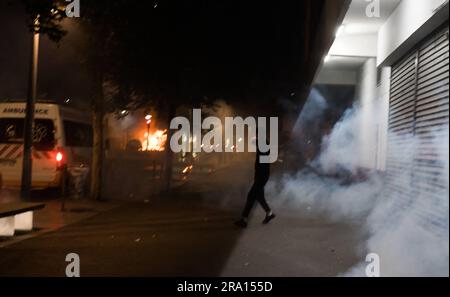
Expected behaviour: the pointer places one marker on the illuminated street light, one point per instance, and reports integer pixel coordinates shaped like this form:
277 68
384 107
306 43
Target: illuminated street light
148 119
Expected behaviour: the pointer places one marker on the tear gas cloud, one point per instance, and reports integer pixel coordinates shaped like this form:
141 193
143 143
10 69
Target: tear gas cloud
313 109
408 229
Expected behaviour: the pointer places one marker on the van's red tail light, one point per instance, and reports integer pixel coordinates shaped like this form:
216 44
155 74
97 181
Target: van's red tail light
60 158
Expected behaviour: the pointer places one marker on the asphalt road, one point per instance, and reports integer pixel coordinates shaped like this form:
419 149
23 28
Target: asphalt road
190 233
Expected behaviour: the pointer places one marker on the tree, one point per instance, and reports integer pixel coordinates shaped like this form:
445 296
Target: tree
100 21
45 16
100 18
180 52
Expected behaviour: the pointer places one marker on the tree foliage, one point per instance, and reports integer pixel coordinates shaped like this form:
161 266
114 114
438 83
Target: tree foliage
45 16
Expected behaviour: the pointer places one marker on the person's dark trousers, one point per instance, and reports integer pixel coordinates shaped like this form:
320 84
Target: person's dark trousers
256 194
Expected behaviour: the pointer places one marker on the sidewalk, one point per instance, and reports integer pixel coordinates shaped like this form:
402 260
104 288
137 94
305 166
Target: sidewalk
51 218
187 233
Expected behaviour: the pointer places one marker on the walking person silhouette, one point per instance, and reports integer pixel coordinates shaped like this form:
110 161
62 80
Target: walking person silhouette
256 193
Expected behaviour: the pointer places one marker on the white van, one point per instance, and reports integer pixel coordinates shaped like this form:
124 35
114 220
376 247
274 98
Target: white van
61 136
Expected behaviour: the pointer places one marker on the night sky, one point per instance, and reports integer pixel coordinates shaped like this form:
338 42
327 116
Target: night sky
246 52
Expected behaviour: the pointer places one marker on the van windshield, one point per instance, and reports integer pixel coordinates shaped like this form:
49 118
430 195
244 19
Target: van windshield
12 131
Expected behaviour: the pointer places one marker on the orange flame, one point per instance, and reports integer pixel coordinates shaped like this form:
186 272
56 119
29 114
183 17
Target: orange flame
187 169
156 141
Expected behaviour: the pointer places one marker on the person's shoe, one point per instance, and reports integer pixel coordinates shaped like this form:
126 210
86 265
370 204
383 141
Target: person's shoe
242 223
268 218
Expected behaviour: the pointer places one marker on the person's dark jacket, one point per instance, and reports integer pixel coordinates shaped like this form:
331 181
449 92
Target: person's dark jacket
262 170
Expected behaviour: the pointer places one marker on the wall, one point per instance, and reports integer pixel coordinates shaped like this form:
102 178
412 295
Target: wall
336 77
366 96
400 32
382 116
355 45
411 21
373 101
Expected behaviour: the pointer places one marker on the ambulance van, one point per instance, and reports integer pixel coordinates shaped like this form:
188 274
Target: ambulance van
62 138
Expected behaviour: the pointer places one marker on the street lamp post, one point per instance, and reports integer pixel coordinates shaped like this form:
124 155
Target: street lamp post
148 119
29 117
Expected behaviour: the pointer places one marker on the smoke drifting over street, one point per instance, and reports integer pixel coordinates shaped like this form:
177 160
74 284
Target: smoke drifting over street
313 109
396 224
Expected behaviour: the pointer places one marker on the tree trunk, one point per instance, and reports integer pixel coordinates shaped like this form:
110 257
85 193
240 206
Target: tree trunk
168 162
98 143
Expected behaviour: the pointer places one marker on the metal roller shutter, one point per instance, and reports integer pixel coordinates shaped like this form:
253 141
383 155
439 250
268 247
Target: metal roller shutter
417 160
401 126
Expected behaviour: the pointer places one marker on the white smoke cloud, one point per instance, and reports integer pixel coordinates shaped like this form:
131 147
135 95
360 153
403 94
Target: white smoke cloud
410 230
313 110
320 194
340 148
